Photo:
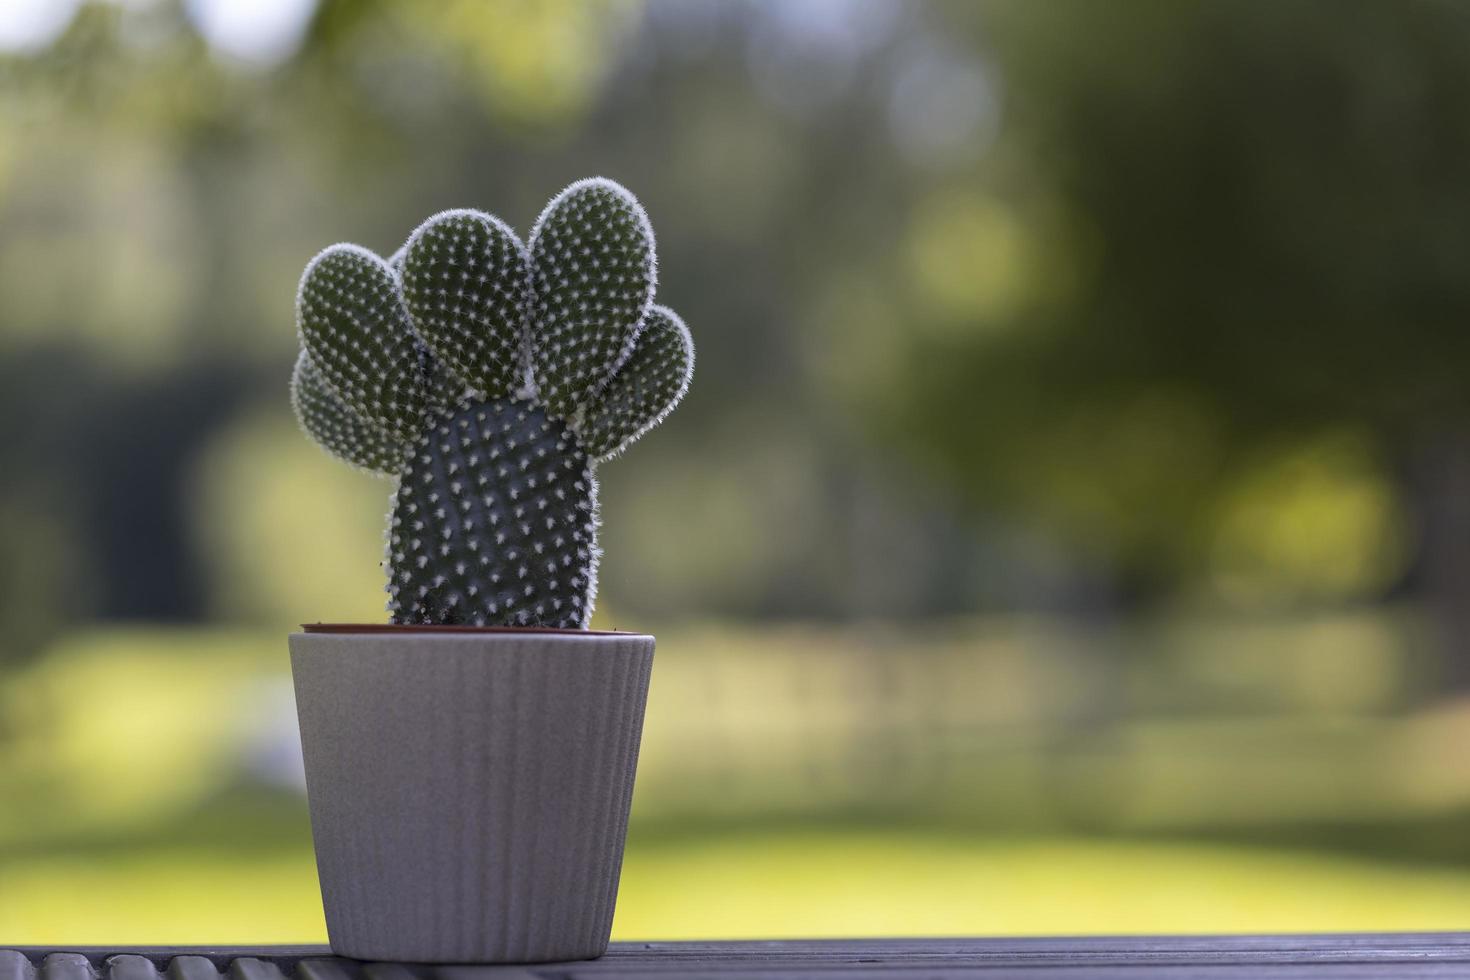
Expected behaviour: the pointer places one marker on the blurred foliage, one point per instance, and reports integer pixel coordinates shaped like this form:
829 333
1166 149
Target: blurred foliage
1317 522
261 489
1256 243
535 62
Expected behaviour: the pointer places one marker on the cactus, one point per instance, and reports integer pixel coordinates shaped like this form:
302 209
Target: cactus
489 377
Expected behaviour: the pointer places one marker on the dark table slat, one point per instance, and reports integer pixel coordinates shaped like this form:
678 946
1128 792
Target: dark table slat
1303 957
186 967
1359 971
14 966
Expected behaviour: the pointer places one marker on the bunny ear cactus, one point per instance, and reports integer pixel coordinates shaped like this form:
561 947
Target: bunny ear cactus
489 378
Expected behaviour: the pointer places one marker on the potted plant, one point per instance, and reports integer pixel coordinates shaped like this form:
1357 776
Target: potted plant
470 765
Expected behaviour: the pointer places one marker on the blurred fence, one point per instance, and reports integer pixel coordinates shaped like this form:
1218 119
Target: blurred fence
1024 724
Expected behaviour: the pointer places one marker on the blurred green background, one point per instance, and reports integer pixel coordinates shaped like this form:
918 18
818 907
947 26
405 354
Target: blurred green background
1068 529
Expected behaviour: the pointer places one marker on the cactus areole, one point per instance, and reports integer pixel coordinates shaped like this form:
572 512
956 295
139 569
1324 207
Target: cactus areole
488 378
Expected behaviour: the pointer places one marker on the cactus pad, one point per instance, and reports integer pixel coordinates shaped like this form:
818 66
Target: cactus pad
336 429
464 279
649 383
592 275
355 327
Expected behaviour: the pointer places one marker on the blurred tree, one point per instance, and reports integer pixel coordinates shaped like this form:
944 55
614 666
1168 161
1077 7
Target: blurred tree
94 519
1245 228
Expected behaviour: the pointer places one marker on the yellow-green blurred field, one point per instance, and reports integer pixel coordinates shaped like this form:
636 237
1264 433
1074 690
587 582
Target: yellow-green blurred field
782 884
805 781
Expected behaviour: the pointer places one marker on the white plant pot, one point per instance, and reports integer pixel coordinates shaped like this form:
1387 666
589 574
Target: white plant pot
469 789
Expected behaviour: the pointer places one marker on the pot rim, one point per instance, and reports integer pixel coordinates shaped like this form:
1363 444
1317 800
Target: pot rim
412 628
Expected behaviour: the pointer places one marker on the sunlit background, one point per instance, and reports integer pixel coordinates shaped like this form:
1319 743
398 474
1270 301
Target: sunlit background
1068 529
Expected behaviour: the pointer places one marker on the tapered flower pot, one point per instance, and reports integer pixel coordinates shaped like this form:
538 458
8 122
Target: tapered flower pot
469 789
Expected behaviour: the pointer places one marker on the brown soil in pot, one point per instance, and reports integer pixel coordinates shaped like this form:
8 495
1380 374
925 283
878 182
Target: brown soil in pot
417 628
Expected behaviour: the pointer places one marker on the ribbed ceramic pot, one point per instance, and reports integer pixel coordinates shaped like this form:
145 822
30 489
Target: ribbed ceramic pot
469 789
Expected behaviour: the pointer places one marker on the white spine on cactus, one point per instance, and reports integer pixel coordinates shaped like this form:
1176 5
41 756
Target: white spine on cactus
593 272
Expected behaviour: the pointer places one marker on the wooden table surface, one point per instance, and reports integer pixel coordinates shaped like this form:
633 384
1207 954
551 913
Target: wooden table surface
1314 957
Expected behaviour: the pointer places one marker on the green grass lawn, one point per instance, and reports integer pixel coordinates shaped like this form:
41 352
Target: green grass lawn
774 883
